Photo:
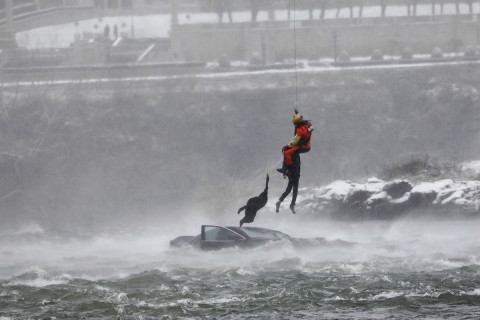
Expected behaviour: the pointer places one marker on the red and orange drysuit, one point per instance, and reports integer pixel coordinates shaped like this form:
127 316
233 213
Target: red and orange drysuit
300 142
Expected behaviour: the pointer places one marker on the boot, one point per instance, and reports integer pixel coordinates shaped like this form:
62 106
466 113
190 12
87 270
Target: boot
292 207
284 169
277 205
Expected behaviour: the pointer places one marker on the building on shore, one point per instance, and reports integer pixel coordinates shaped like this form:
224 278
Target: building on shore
268 31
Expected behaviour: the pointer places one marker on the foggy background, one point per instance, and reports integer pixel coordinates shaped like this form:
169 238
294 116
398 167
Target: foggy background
90 156
125 124
103 136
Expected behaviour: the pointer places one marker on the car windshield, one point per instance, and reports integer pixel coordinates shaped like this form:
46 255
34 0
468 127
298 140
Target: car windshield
264 233
214 233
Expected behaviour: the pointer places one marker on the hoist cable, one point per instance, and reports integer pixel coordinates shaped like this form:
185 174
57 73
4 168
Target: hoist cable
295 51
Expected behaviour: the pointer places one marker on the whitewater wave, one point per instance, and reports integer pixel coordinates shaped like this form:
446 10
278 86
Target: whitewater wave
475 292
38 278
385 295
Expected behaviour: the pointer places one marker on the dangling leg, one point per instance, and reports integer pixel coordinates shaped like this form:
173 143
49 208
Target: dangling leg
284 195
294 196
294 180
277 206
241 209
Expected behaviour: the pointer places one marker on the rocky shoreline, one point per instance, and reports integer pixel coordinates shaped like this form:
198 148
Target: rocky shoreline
381 199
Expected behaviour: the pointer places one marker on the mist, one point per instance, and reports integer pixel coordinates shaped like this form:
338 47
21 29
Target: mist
97 157
124 125
412 243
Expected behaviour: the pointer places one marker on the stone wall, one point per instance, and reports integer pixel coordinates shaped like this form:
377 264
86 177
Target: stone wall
7 40
359 37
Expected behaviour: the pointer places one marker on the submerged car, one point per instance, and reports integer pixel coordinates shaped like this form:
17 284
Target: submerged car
218 237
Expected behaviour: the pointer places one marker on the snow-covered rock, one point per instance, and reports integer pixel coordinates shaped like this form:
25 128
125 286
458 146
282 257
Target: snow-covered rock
381 199
471 167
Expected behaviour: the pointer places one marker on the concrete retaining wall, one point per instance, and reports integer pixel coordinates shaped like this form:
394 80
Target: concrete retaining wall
315 39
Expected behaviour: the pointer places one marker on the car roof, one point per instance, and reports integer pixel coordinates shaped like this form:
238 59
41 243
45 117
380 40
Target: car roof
250 228
239 229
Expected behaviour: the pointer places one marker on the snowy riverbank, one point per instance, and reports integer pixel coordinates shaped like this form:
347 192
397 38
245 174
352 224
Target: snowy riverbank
376 198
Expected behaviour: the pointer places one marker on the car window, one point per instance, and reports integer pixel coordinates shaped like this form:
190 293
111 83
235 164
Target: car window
264 233
213 233
280 235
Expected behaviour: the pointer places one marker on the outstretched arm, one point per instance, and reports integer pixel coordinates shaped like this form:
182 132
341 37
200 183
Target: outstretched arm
294 141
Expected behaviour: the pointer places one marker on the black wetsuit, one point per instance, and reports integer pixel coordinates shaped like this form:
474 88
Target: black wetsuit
293 179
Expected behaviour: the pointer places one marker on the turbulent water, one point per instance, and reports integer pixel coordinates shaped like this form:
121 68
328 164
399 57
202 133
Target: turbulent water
409 268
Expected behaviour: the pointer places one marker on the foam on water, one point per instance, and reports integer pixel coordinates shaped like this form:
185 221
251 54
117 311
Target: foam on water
418 261
475 292
425 244
37 277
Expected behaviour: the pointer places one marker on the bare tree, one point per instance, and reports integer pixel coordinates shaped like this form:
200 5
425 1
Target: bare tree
256 6
383 7
350 6
412 7
290 4
434 5
226 6
442 4
311 7
342 4
323 8
360 10
470 6
216 6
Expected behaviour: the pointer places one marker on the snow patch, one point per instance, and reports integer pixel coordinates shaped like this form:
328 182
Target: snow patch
473 166
375 185
403 199
382 195
337 190
432 187
346 196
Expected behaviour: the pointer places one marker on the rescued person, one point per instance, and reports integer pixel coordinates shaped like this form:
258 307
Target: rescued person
293 175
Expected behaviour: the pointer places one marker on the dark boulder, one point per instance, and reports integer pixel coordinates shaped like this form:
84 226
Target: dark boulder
344 57
224 62
377 55
356 199
397 188
406 54
256 60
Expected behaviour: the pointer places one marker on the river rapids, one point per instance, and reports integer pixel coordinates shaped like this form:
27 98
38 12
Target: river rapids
403 269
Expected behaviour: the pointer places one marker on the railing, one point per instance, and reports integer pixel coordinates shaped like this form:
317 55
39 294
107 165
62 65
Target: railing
463 18
47 11
27 9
